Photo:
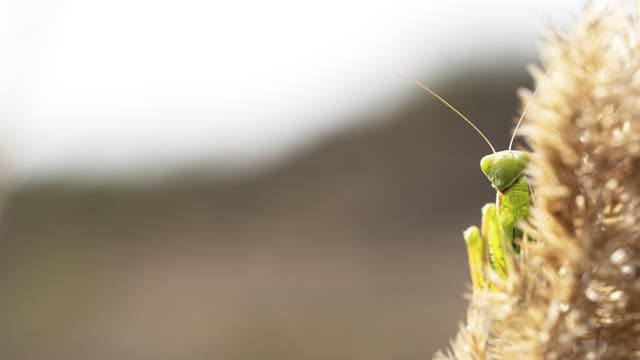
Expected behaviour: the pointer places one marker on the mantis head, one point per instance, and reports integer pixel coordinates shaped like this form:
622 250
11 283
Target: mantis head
504 168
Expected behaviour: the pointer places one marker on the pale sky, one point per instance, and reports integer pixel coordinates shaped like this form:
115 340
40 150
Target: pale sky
104 87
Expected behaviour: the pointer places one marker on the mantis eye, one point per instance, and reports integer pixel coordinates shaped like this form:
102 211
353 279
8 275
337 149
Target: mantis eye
486 163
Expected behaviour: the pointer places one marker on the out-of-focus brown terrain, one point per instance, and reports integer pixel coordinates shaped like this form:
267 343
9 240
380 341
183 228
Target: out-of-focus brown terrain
350 249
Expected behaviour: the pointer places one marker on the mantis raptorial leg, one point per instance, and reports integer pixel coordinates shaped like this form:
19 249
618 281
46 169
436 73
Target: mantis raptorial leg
493 244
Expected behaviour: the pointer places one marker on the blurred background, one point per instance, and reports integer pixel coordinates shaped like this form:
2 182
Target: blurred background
242 180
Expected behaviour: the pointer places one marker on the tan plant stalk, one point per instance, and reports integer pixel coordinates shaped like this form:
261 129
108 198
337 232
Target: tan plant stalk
575 291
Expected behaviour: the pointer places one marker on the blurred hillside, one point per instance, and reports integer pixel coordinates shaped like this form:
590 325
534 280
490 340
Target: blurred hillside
350 249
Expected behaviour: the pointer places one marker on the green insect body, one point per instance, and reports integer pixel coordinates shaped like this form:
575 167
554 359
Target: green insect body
514 208
495 242
499 227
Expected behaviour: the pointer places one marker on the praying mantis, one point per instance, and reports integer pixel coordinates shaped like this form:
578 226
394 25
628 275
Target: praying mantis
496 240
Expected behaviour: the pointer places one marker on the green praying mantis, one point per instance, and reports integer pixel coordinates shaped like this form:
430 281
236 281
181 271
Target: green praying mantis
497 239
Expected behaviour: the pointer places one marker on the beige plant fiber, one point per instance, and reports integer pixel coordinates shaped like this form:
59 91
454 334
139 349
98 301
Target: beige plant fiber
575 291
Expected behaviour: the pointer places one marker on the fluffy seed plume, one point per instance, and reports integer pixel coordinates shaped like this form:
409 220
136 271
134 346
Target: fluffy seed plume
574 293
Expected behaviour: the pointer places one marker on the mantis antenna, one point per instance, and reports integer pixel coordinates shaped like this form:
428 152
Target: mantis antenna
524 112
424 87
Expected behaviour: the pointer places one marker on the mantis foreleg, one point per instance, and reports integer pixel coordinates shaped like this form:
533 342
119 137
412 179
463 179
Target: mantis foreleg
493 242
